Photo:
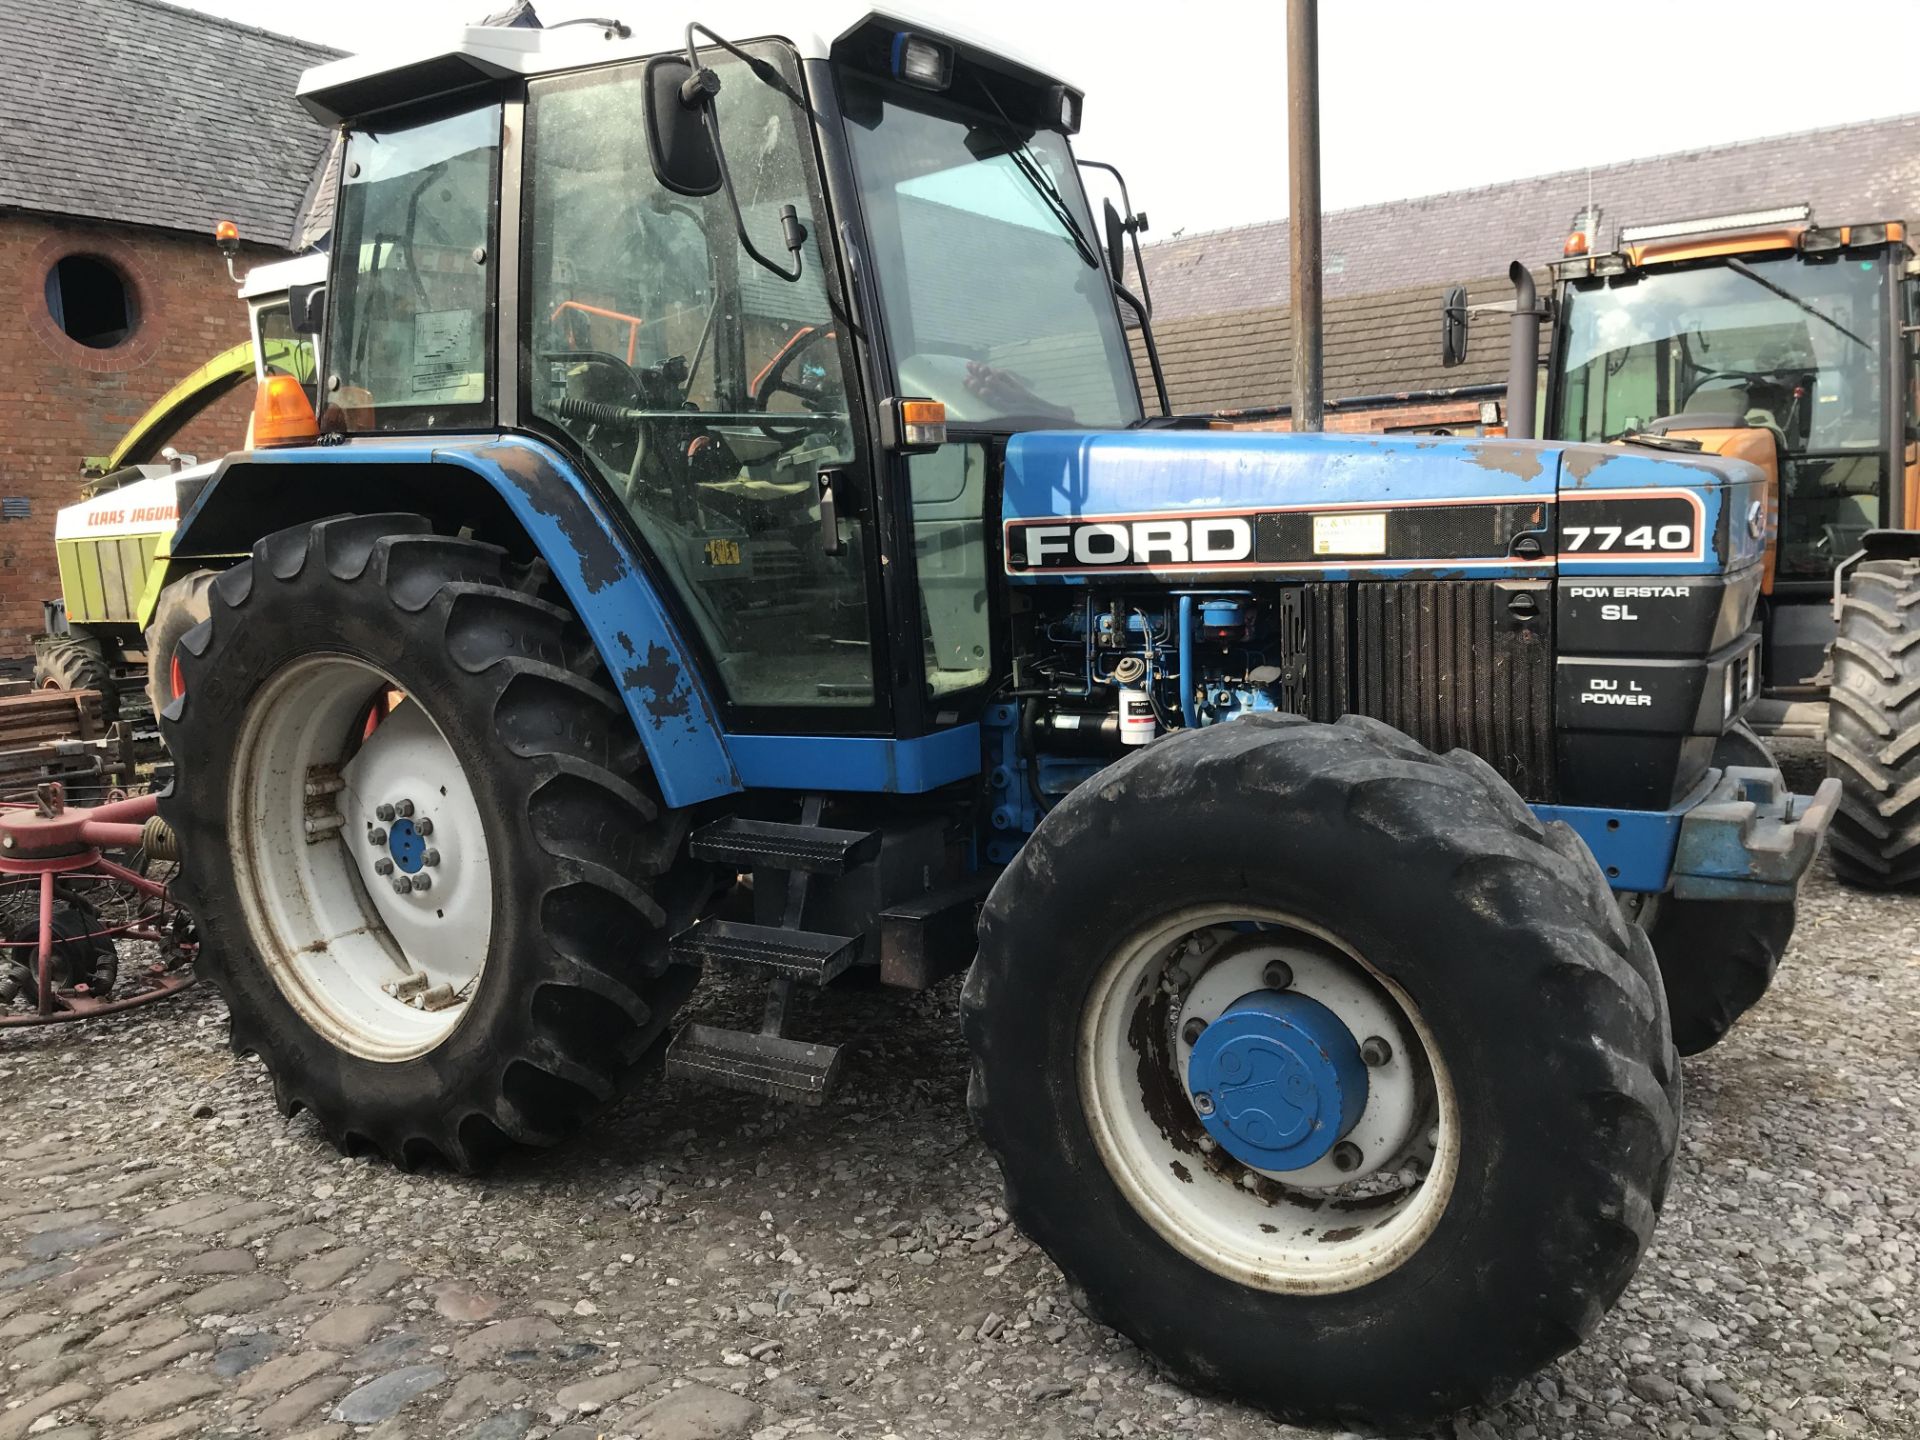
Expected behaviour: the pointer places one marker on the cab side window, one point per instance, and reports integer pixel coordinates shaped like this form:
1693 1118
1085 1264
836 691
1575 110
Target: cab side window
411 348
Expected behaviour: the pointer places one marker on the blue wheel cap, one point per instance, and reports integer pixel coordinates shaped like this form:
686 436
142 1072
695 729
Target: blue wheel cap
407 845
1282 1077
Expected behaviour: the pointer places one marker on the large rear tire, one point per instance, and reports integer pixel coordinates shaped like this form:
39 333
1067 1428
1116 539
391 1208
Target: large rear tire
1416 893
355 680
78 661
1873 727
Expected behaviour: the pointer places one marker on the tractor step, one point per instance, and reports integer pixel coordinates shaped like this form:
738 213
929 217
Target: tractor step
775 845
803 956
768 1065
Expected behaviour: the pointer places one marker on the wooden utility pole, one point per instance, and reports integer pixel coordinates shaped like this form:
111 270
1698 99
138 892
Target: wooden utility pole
1303 210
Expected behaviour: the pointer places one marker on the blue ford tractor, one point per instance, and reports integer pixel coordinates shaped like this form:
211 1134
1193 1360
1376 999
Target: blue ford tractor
731 538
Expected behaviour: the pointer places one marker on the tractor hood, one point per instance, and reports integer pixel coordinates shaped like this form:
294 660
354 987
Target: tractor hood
1218 506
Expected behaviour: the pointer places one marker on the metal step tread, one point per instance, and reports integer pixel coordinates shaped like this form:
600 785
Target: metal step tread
802 955
779 845
768 1065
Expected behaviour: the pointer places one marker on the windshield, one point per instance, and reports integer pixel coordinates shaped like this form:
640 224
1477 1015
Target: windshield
1788 343
993 304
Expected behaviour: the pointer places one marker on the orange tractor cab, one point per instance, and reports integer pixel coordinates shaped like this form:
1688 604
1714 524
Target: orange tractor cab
1790 345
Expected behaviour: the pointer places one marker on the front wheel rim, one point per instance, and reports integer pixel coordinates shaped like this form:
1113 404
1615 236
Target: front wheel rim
345 790
1291 1234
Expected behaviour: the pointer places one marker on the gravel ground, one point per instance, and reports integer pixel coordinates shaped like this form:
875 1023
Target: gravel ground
177 1260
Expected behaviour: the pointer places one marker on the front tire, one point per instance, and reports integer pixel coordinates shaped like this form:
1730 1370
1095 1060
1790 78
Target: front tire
362 672
1416 892
1717 960
1873 728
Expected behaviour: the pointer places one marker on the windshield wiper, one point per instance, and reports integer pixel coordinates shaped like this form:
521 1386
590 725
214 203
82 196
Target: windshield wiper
1029 165
1740 267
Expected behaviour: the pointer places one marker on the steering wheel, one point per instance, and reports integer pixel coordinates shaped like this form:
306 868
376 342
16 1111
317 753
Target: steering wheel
772 379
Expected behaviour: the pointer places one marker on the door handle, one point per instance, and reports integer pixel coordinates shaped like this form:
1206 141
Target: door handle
830 541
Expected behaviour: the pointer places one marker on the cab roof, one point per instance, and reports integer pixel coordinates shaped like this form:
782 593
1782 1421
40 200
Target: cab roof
1710 244
472 55
277 276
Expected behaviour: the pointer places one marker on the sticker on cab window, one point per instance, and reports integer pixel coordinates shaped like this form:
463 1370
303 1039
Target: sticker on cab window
443 349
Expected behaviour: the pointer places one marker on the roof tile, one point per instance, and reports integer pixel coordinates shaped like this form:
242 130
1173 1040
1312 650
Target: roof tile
1866 171
141 112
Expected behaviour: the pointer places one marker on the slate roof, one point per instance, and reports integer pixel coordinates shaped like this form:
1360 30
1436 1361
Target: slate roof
1370 344
1866 171
140 112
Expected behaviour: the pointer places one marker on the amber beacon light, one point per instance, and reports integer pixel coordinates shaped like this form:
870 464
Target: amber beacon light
282 414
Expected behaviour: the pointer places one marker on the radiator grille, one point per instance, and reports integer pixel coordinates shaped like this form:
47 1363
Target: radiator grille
1454 663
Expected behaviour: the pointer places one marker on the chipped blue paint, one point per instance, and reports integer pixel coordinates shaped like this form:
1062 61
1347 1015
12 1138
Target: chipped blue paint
1739 836
1112 476
1634 847
566 520
1059 472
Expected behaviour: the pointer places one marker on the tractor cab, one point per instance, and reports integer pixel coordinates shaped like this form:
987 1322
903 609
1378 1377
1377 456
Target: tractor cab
1769 339
282 318
552 231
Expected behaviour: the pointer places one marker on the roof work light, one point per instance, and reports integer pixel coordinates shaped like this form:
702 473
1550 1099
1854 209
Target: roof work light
922 62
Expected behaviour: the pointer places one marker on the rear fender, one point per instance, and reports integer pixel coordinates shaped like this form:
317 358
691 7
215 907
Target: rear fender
516 493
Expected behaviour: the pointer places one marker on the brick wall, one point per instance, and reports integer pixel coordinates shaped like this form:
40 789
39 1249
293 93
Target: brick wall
60 401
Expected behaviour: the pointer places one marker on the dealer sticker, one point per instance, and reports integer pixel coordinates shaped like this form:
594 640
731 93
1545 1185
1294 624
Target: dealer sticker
1350 534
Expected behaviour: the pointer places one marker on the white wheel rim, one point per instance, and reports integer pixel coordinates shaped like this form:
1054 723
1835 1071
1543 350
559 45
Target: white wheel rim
379 974
1311 1231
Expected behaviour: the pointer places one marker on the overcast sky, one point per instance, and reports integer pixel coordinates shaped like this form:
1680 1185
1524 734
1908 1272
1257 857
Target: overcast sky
1417 96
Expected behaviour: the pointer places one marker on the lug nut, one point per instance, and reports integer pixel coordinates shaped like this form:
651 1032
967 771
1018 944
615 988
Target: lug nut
383 812
401 885
423 825
383 866
1347 1156
376 836
432 857
1193 1030
423 882
404 809
1375 1052
1278 975
1203 1102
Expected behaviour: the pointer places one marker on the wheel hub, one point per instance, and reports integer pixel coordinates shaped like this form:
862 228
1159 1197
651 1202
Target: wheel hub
407 846
1277 1080
374 916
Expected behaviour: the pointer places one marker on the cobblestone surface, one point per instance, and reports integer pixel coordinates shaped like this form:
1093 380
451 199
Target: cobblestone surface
176 1260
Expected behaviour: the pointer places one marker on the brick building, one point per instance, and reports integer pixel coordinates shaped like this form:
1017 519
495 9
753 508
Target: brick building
1220 298
128 129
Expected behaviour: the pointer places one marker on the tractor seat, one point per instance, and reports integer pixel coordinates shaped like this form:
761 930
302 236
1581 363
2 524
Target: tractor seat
1711 399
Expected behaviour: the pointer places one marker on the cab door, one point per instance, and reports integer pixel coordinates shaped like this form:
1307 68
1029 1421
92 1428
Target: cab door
711 396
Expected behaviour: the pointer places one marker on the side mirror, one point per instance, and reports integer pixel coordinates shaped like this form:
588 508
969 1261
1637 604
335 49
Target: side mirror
678 141
306 307
1453 326
1116 242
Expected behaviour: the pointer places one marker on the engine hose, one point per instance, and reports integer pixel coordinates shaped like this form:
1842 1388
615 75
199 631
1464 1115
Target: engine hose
1029 718
596 412
156 838
1189 711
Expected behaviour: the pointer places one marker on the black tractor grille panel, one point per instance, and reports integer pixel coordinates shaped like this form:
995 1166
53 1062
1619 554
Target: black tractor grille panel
1464 664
